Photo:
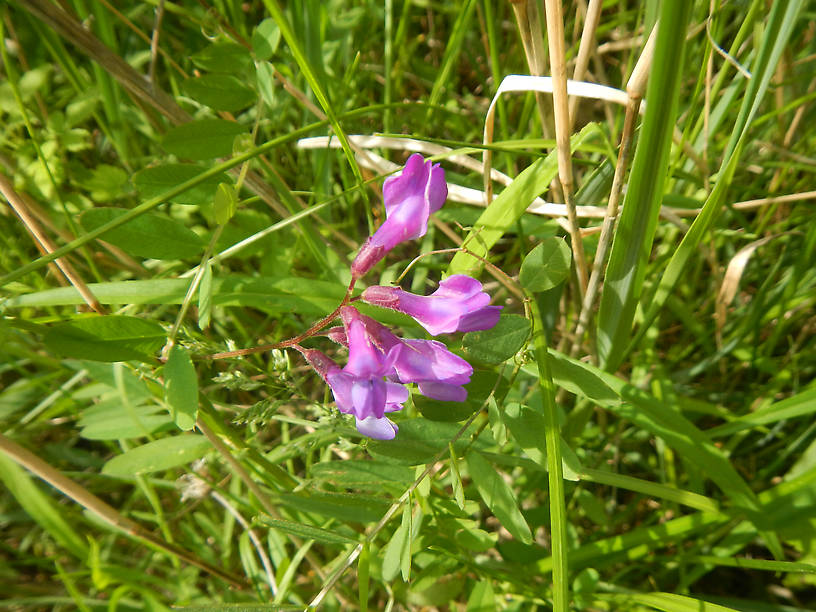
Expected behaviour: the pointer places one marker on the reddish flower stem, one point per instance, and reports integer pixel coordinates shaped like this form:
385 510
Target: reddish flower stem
291 342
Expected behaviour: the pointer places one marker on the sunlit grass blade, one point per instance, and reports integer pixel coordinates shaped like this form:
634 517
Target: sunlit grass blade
635 231
778 30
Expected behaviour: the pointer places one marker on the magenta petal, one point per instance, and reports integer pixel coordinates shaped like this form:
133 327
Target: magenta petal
368 397
443 391
379 429
437 190
341 383
410 183
485 318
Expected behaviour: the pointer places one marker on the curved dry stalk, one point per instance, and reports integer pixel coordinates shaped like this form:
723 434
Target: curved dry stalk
558 69
107 513
46 245
593 16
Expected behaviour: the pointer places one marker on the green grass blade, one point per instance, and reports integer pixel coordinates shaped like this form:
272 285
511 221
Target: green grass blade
778 29
39 507
635 232
555 475
504 212
294 45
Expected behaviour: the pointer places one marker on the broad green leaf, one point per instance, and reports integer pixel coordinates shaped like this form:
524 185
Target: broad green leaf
202 139
527 427
108 421
108 338
398 547
503 213
149 235
155 181
274 295
420 440
498 496
181 388
341 506
635 231
355 472
307 532
265 39
265 76
228 57
437 410
482 598
40 508
498 344
226 203
106 183
220 92
546 266
158 455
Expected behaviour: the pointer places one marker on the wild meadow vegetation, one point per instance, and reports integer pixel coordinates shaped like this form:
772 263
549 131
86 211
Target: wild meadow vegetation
185 182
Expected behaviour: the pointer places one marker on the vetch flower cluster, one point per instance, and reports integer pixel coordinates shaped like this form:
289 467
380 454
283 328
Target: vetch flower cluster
380 364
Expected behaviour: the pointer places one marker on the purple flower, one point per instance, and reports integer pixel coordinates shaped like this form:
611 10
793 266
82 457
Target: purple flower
359 388
410 198
439 374
459 304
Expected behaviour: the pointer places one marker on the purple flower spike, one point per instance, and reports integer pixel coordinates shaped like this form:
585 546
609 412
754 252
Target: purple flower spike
359 388
410 198
439 374
459 304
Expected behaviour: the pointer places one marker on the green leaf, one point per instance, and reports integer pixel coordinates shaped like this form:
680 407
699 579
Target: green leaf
527 427
181 388
508 207
355 472
202 139
634 234
226 203
107 421
265 39
546 266
158 455
106 182
482 598
108 338
498 496
398 547
226 57
149 235
419 441
497 345
341 506
220 92
307 532
265 77
154 181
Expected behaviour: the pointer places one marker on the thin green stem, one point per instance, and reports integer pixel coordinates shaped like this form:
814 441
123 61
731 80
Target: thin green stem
555 476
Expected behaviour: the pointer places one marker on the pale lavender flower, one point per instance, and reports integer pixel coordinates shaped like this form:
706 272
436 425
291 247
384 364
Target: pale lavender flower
459 304
410 198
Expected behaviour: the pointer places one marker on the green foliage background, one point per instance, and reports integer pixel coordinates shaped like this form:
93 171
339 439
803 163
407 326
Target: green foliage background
668 462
